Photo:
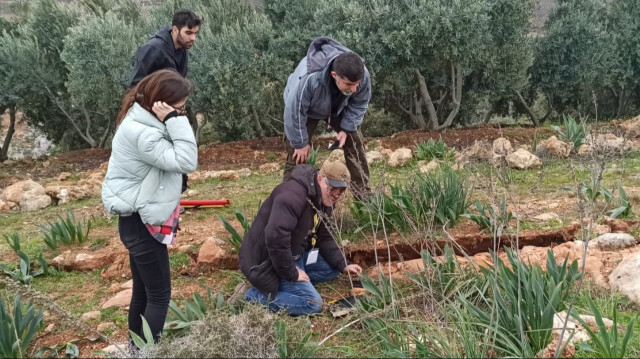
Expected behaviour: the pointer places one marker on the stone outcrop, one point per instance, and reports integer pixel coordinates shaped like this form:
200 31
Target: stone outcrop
523 159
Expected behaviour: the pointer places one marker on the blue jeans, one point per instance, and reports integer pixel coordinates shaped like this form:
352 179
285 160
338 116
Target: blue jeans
298 298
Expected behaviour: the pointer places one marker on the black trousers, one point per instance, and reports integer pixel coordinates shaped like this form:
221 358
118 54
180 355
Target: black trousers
149 260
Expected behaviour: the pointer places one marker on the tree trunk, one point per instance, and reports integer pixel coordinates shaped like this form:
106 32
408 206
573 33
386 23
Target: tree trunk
4 151
492 110
256 118
199 130
456 96
105 135
426 98
417 118
536 121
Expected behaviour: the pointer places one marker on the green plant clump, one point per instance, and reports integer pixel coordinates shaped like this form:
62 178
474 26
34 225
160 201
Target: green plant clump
66 231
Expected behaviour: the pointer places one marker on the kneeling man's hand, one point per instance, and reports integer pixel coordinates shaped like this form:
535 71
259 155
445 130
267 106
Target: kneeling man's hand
302 276
353 270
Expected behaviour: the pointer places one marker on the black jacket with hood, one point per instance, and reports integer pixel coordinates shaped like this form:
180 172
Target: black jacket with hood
159 53
280 232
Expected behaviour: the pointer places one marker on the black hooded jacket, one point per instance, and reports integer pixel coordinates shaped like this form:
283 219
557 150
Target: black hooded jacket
159 53
280 232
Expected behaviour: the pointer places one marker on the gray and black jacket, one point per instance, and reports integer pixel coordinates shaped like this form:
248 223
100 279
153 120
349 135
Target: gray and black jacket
308 94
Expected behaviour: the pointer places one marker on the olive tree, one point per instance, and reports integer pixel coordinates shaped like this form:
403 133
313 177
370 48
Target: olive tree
419 52
232 69
95 82
43 98
572 55
9 87
623 70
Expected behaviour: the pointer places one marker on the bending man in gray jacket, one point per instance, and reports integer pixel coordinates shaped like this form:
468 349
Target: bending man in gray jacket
330 84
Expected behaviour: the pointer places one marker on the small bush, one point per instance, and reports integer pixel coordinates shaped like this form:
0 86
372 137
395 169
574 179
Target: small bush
440 197
487 218
523 302
431 150
607 342
249 334
13 240
574 132
313 156
24 274
236 238
179 321
624 208
66 231
18 326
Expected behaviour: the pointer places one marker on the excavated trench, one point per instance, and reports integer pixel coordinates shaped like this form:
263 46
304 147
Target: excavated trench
365 255
468 244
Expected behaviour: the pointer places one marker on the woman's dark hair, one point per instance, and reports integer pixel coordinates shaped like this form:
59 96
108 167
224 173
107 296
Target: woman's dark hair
163 85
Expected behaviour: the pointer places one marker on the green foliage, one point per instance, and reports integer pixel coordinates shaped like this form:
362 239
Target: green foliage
24 274
439 197
447 279
606 341
487 218
236 238
180 321
592 189
67 231
431 150
39 41
379 296
574 132
18 326
624 208
140 342
571 59
286 349
96 83
13 240
523 303
313 155
68 349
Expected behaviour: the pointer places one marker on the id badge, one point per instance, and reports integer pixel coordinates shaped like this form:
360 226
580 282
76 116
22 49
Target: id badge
313 256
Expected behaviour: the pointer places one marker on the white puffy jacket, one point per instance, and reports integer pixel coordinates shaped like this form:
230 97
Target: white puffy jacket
147 161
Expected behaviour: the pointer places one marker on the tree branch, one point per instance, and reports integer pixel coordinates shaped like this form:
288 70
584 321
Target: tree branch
105 135
4 150
526 107
456 94
73 122
87 118
424 93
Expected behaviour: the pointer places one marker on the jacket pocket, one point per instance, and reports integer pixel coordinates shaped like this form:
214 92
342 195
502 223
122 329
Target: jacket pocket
264 278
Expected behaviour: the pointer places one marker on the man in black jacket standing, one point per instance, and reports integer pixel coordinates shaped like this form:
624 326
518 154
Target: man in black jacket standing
289 247
167 49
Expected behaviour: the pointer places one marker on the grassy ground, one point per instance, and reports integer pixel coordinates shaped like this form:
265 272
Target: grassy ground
80 292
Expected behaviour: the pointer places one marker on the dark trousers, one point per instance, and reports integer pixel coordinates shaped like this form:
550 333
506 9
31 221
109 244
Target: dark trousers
354 156
149 260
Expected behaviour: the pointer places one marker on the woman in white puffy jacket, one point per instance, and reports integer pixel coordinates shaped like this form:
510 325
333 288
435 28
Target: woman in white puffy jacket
152 147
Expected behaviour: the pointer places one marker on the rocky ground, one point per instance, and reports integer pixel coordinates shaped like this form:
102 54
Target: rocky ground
31 185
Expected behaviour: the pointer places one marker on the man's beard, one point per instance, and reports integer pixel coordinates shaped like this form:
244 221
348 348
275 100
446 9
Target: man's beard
184 44
344 92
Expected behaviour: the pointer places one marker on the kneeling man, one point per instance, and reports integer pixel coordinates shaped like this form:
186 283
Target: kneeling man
289 247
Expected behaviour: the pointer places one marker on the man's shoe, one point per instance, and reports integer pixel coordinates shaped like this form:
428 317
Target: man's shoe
238 294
